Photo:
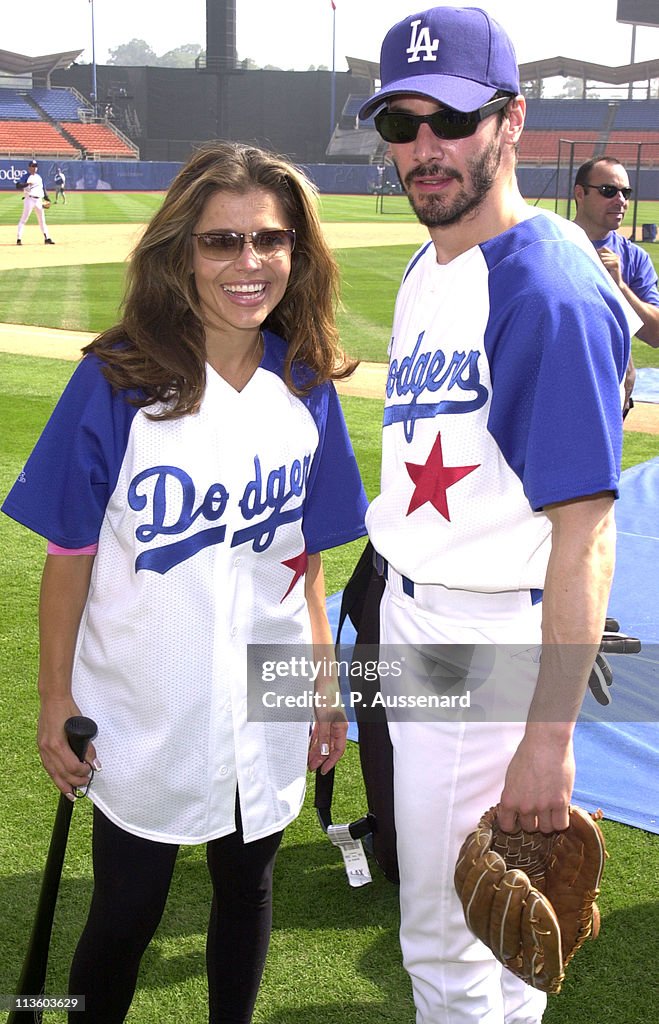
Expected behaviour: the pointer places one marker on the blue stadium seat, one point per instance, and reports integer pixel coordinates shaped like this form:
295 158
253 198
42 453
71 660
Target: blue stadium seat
351 110
60 104
14 107
563 115
640 115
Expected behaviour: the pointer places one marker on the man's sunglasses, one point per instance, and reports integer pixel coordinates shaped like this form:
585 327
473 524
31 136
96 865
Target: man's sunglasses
228 245
399 126
609 191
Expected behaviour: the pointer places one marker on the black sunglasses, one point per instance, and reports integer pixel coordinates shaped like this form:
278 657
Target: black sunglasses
228 245
609 191
399 126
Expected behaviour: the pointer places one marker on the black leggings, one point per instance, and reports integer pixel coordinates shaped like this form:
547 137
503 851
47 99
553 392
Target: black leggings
132 877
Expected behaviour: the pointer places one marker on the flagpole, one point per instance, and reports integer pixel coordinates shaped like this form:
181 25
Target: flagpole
333 86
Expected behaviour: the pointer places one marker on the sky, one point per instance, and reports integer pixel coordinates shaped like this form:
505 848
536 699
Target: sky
294 34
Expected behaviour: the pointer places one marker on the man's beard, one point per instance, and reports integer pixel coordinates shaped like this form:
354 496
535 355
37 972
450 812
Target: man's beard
437 210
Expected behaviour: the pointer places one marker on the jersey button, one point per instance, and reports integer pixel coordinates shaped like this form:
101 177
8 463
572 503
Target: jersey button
224 770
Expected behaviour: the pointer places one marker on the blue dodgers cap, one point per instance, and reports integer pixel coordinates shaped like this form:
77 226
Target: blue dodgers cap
458 56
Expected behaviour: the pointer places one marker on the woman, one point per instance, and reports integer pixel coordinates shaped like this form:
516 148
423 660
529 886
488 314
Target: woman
187 481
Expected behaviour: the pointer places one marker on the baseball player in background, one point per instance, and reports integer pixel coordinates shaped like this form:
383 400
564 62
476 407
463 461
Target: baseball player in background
60 185
602 194
34 194
501 449
191 474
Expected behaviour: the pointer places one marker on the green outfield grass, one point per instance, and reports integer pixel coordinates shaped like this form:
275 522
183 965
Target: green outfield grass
87 298
138 207
87 208
334 955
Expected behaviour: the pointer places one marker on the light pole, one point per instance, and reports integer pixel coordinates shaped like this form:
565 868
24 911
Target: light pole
333 79
94 95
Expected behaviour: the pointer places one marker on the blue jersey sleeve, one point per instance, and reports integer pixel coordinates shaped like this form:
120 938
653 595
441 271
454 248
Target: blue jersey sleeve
636 267
335 506
643 278
64 488
558 344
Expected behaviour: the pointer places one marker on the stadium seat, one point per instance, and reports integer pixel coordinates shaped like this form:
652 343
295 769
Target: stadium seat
542 146
14 107
560 115
27 138
60 104
623 145
636 115
99 139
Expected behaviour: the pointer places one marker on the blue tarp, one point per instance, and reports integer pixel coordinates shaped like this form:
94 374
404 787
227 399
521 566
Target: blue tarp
617 747
646 388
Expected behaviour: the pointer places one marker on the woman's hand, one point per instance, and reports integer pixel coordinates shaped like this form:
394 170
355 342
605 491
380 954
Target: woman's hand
327 745
64 768
330 730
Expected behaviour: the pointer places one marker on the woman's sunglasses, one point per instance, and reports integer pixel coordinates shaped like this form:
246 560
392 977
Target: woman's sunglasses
228 245
400 127
609 191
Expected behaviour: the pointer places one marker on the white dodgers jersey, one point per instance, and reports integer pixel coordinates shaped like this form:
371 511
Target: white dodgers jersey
503 396
204 524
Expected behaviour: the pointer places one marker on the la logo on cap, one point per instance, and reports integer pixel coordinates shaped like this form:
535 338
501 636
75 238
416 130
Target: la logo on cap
421 42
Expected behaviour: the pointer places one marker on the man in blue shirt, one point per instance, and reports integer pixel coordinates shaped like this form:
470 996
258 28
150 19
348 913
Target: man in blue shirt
602 193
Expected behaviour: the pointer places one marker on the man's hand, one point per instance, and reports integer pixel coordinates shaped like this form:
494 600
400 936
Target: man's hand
539 781
611 262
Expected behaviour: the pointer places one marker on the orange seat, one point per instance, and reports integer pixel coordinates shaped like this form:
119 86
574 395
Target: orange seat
30 137
98 138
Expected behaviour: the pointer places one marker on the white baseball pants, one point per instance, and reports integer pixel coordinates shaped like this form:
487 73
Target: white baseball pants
30 204
446 773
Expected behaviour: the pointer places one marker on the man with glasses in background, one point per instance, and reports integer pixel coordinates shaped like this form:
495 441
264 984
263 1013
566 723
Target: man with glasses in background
502 440
602 194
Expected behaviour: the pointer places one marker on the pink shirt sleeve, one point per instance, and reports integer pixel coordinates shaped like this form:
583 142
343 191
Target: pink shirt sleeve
55 549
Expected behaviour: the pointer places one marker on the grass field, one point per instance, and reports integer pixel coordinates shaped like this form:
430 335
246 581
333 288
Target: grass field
137 207
334 955
87 297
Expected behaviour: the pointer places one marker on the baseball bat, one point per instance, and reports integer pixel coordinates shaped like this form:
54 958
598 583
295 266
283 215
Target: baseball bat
79 732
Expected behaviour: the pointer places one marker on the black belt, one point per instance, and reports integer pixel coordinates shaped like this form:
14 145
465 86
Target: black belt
381 566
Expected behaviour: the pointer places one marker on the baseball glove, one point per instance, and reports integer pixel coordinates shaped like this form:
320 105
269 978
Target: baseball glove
531 897
45 203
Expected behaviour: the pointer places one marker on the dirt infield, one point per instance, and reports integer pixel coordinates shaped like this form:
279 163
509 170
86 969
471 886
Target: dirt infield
112 243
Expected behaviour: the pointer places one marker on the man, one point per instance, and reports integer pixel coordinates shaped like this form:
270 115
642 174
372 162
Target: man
602 193
60 185
494 527
34 194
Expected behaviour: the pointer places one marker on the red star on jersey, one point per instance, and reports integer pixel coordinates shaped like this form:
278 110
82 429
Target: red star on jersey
298 566
433 480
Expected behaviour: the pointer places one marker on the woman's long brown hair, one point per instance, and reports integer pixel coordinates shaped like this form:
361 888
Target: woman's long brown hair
158 347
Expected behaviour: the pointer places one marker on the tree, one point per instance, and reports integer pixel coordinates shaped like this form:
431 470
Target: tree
181 57
136 53
533 88
573 89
